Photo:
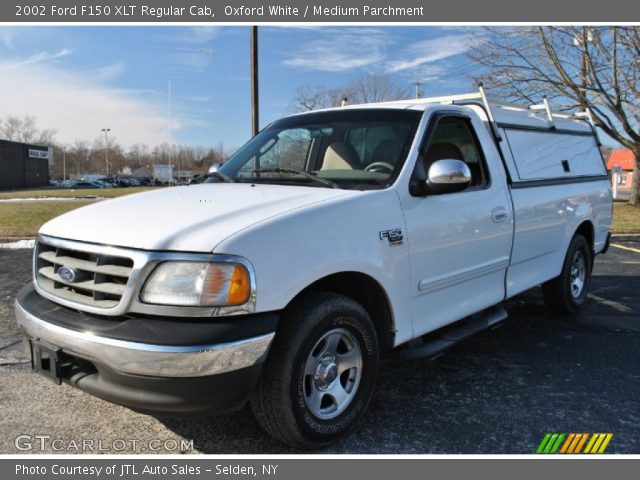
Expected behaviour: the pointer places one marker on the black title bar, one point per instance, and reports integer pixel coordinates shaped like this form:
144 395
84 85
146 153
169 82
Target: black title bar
257 11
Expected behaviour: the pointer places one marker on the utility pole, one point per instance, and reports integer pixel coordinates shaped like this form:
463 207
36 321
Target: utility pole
106 148
64 164
417 83
255 105
169 127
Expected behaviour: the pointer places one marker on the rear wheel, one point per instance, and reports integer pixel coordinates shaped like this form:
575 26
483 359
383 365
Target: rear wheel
568 292
321 371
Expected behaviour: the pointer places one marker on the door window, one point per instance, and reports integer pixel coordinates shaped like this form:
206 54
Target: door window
454 138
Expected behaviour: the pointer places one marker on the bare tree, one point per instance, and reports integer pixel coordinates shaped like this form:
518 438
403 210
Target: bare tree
80 154
309 97
368 88
24 129
377 87
576 67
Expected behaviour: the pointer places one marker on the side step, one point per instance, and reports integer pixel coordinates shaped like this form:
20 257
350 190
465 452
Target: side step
435 343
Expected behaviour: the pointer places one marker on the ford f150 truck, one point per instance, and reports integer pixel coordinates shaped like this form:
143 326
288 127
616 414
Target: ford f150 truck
331 236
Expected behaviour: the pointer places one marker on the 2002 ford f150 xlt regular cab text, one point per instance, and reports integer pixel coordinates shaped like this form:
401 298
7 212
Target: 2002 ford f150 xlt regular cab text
329 237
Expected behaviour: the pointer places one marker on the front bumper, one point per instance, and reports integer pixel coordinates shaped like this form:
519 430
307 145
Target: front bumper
153 365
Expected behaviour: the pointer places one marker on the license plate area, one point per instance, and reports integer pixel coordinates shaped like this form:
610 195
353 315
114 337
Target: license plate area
46 360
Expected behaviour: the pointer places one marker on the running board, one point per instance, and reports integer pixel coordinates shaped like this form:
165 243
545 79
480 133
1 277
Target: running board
435 343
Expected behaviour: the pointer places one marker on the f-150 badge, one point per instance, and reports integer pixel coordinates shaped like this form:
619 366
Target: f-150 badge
394 236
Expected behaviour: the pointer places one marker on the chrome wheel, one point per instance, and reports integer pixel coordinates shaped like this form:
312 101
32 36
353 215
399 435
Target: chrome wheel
578 274
332 374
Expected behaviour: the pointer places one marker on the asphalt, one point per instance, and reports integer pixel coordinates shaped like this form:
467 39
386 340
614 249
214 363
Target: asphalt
498 392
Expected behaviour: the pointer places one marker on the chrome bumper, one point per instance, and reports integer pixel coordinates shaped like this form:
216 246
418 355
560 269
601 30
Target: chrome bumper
145 359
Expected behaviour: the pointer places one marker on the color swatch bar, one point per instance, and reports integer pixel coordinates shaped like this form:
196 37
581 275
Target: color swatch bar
572 443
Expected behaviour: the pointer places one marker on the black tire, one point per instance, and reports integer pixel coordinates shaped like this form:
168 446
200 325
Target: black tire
560 293
279 401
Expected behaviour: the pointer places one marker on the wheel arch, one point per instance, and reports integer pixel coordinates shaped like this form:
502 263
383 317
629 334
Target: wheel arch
367 291
587 230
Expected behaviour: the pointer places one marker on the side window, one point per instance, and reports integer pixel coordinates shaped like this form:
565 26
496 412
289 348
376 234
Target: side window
454 138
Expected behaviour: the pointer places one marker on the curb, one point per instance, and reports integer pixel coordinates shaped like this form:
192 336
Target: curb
14 239
632 237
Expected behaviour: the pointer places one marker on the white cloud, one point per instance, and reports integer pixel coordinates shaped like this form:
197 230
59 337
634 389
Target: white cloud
42 57
106 72
193 60
191 48
340 51
7 37
432 72
198 35
78 105
429 51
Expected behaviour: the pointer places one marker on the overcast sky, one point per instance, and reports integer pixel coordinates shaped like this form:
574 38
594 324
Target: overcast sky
81 79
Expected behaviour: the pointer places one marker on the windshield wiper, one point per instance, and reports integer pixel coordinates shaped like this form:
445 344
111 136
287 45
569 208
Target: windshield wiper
222 176
312 176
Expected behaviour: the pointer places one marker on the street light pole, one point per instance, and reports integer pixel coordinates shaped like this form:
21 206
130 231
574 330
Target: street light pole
255 123
106 148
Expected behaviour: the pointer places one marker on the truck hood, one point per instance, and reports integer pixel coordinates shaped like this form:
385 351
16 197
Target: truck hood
194 218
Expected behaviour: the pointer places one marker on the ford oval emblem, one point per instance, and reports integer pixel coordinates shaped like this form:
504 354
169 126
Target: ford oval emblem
67 274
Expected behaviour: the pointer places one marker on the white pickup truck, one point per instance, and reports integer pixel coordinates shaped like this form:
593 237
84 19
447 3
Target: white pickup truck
328 238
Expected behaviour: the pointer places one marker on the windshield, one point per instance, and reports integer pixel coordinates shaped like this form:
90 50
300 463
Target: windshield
361 149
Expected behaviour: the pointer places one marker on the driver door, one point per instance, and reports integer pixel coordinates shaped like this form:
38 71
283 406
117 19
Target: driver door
459 243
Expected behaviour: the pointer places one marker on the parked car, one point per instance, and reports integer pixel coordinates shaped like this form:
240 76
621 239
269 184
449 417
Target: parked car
126 182
145 181
197 178
76 184
329 237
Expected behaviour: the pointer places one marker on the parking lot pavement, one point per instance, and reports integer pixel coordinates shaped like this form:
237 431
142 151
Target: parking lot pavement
498 392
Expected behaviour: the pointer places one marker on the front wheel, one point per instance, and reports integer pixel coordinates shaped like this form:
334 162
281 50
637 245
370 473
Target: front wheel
320 373
567 293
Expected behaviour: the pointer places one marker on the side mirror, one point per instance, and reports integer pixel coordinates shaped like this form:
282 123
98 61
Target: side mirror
448 176
215 167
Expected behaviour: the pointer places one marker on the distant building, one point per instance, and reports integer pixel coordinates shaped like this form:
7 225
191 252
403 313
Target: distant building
163 173
625 160
141 172
23 165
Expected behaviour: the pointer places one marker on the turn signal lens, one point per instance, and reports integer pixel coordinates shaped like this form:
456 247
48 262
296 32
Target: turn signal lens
240 286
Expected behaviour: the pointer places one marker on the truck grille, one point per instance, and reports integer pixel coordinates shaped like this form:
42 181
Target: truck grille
99 280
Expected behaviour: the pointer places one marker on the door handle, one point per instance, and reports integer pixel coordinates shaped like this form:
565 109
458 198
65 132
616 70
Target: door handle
499 214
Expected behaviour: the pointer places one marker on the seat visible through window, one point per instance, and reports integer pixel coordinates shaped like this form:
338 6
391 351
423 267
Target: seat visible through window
388 151
341 156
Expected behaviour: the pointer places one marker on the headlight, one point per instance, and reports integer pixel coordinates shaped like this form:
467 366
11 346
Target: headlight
197 284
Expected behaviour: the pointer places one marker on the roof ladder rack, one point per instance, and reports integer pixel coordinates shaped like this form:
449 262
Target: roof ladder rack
487 106
587 115
545 106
